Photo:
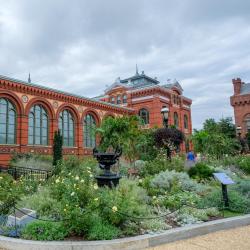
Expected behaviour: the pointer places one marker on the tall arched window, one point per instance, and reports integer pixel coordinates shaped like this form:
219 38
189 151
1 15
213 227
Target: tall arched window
7 122
124 98
38 126
118 100
144 115
185 122
176 120
247 123
112 99
66 126
89 137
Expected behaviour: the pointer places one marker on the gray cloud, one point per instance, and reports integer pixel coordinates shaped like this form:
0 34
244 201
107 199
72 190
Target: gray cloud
81 46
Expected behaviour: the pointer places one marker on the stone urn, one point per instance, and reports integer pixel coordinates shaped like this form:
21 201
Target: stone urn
106 161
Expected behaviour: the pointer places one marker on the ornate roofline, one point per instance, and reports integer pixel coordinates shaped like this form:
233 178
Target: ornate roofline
38 90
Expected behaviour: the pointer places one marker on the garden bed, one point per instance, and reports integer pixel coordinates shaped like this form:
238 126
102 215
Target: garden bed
138 242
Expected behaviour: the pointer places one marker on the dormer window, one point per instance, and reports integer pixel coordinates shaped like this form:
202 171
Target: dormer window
124 99
118 101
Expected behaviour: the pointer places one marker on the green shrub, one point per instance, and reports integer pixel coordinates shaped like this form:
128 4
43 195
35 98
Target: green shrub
243 187
161 163
40 230
172 180
244 164
101 230
200 171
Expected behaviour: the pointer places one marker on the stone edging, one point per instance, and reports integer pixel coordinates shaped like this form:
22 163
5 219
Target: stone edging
138 242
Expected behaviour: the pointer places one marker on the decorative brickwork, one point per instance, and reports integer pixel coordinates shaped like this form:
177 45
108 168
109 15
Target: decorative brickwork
241 104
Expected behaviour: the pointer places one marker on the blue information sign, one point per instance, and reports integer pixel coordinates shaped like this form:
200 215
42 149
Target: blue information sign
223 178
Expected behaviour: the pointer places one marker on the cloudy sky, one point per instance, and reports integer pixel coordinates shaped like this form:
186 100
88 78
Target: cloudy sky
82 46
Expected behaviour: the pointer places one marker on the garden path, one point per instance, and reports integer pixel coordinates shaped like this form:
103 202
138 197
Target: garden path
233 239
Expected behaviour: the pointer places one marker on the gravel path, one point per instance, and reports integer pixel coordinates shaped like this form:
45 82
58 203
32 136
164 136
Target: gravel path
233 239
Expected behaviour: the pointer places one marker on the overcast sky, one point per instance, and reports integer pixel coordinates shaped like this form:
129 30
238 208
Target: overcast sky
82 46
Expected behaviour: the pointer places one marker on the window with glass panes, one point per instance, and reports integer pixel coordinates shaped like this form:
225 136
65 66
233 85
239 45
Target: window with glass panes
124 99
144 115
118 100
66 127
38 126
176 120
7 122
185 122
89 126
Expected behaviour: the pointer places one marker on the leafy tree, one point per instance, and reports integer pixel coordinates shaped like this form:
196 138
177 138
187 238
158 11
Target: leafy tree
169 138
121 132
216 138
57 147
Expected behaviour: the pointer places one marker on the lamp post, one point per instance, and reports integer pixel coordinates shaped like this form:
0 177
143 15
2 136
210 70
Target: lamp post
238 131
165 114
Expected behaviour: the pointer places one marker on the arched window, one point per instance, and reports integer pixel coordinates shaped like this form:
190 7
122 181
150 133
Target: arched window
247 123
38 126
118 101
176 120
185 122
112 99
89 137
144 115
124 99
66 126
7 122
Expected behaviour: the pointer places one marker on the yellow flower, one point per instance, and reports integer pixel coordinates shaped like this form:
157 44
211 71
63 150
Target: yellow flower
1 177
95 186
114 209
64 209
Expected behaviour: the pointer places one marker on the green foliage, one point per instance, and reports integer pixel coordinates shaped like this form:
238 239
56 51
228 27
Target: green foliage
33 161
40 230
10 191
101 230
161 163
57 148
244 164
200 171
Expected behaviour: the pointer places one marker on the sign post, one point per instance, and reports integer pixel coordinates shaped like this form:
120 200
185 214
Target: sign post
224 180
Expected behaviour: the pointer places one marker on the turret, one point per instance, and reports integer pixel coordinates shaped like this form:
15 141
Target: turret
237 85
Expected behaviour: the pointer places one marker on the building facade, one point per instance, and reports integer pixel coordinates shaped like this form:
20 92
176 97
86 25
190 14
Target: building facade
241 104
30 114
146 96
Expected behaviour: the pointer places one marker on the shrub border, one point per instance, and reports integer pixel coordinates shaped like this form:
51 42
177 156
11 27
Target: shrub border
137 242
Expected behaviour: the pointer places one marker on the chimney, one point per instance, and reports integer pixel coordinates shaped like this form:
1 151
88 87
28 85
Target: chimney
237 85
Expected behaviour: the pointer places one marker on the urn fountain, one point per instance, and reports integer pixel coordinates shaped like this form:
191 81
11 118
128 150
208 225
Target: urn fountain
106 161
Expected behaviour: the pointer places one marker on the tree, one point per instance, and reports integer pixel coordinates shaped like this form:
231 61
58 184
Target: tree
122 132
57 147
169 138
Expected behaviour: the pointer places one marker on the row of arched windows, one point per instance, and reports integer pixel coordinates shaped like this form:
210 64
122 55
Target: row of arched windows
118 100
144 115
38 126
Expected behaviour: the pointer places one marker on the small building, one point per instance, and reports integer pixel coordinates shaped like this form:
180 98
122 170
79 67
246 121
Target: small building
147 96
240 101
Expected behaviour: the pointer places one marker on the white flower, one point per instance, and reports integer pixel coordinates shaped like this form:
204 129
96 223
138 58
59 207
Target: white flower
72 194
1 177
90 175
95 186
114 209
82 180
96 199
57 180
77 178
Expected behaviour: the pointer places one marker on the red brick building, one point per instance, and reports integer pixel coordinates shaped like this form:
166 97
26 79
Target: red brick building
30 114
147 97
241 104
